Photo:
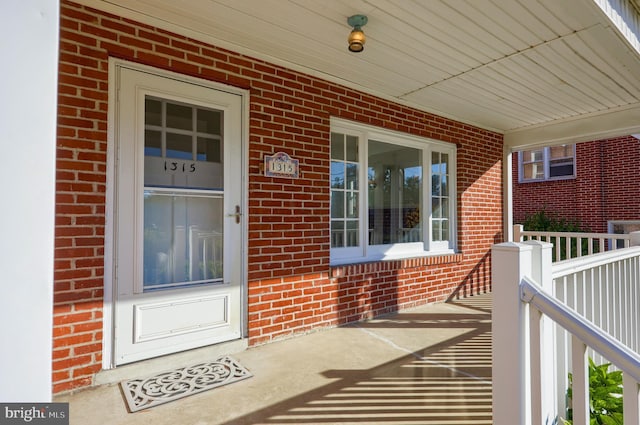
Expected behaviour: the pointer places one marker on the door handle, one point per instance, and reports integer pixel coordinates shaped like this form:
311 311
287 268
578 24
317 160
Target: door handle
236 214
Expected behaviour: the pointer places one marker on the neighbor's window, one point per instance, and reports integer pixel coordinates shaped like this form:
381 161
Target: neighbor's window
382 184
549 163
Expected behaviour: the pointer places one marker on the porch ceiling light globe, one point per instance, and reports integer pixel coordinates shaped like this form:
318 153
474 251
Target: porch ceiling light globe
357 37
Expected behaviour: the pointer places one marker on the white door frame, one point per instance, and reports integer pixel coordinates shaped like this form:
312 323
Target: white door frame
108 346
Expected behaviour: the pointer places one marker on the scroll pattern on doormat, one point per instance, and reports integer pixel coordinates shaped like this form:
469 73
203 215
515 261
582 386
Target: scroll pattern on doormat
179 383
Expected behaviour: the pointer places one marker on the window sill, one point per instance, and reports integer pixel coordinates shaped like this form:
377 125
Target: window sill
339 269
552 179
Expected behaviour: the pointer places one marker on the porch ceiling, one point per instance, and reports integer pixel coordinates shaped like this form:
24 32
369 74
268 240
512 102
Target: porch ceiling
539 71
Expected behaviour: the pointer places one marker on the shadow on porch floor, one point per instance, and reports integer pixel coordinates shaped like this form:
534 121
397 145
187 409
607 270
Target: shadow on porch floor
428 365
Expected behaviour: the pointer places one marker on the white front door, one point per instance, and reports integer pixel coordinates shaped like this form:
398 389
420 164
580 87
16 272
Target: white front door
178 227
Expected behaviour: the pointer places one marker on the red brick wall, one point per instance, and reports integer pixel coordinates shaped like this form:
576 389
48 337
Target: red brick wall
606 187
291 286
621 178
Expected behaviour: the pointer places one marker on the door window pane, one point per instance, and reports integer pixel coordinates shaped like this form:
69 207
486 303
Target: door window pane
179 116
182 239
179 153
209 122
179 146
152 112
182 230
209 150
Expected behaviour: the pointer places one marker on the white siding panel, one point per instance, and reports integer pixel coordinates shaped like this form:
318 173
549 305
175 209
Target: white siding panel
476 109
543 83
520 16
625 17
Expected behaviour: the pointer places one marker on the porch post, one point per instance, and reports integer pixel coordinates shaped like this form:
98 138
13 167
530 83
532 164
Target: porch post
27 175
545 400
511 389
507 190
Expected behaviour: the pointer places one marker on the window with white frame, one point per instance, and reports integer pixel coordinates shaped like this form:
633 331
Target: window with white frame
548 163
382 182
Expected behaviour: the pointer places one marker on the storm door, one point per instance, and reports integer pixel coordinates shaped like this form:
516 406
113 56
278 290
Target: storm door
178 226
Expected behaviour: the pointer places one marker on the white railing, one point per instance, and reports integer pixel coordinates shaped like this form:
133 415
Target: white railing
530 365
568 245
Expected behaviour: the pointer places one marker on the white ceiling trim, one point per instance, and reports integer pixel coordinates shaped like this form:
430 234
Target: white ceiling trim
612 123
626 17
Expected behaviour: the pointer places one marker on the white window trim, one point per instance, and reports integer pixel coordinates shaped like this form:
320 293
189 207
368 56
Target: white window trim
546 159
366 252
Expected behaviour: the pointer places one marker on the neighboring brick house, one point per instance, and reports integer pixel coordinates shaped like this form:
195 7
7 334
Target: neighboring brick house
296 262
602 193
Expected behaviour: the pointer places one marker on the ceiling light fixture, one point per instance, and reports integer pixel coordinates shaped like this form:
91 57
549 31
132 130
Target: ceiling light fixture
356 37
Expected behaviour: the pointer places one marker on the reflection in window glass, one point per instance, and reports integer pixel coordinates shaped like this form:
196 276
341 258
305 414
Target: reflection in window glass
152 143
182 240
179 146
395 193
208 149
440 196
179 116
345 208
209 122
183 145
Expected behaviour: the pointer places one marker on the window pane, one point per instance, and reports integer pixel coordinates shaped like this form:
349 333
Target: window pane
352 148
181 157
208 150
440 205
437 230
337 146
562 151
337 234
352 204
182 240
436 208
209 122
445 230
353 230
395 190
179 116
352 176
152 143
531 156
337 175
345 191
337 204
533 171
152 112
179 146
560 169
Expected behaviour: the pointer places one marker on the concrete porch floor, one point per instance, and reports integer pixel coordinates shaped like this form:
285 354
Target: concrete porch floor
427 365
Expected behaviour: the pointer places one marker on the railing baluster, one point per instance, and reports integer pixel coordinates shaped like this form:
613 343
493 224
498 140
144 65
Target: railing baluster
535 322
580 387
631 396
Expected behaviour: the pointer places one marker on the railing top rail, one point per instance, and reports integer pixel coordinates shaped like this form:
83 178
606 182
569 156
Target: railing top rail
618 236
576 265
614 351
